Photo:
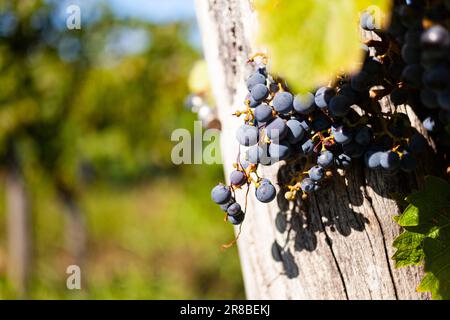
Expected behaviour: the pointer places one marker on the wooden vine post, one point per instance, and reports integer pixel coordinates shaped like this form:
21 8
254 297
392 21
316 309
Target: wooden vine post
339 246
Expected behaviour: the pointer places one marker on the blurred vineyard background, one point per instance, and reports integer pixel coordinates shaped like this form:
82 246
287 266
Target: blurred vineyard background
86 176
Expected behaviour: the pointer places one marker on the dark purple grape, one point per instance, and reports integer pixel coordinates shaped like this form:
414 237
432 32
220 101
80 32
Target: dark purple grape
225 206
408 162
263 113
282 102
341 134
443 98
363 136
295 131
437 78
259 92
372 159
247 135
353 149
429 98
234 209
254 79
238 178
266 192
399 96
323 96
412 75
436 36
279 151
307 185
339 106
221 194
316 173
277 129
417 143
307 147
389 160
360 82
325 159
304 103
236 219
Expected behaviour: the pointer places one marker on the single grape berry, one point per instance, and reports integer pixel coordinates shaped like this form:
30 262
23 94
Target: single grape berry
399 96
412 75
225 206
307 185
247 135
295 131
265 192
282 102
238 178
372 159
276 129
254 154
429 98
234 209
307 147
417 143
279 151
443 98
263 113
389 160
360 82
341 134
323 96
254 79
408 162
325 159
316 173
221 194
363 136
304 103
259 92
236 219
436 36
339 106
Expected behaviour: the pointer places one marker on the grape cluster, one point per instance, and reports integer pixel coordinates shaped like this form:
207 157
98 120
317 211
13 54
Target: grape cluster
330 128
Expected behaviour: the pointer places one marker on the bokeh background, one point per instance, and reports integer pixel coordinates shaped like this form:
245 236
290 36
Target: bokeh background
86 176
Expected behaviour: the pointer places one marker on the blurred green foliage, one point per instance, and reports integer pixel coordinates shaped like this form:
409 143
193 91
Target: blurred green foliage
85 117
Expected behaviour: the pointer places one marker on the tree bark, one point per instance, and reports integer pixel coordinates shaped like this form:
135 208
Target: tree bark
18 228
340 245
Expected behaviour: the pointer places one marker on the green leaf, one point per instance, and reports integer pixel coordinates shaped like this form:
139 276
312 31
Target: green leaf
410 217
426 238
311 41
437 268
410 251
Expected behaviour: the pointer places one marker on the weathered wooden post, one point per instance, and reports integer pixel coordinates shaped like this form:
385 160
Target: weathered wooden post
340 246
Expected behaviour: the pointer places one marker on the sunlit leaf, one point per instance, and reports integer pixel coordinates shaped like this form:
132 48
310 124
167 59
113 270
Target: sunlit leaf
310 41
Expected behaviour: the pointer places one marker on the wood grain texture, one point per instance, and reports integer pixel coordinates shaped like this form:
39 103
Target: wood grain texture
339 246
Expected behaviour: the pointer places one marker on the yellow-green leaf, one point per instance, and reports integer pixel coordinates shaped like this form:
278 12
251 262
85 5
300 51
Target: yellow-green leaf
311 41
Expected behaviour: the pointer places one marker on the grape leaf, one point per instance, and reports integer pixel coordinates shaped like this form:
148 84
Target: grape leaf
437 268
409 249
310 41
426 238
